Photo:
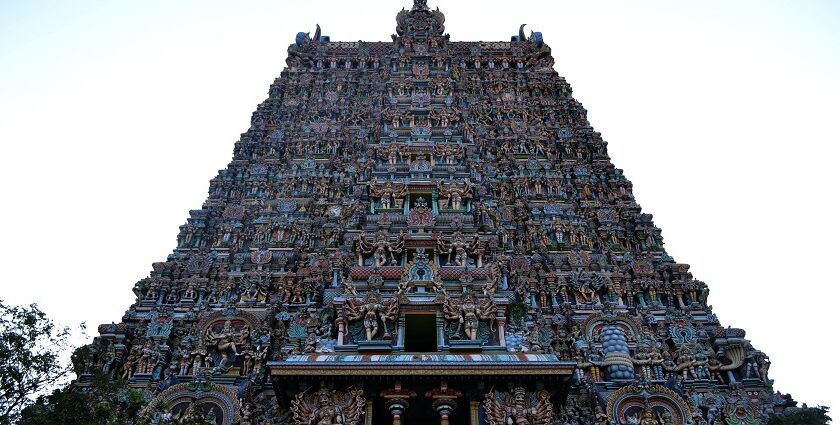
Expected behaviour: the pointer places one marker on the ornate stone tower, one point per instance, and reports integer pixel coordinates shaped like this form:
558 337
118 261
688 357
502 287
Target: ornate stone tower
427 231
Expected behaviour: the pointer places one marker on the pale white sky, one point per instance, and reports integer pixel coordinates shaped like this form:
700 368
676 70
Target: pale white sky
115 115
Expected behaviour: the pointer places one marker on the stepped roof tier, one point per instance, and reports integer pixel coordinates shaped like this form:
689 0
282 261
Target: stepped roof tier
427 231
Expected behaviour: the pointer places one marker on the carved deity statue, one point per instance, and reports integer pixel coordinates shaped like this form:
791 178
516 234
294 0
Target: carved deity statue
520 409
648 416
468 312
381 249
226 341
390 194
461 250
455 194
329 407
491 285
372 311
450 154
348 286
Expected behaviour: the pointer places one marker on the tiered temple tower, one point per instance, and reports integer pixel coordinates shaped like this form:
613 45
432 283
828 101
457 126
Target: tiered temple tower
427 231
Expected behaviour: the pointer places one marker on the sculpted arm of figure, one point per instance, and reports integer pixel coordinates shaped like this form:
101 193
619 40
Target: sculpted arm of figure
400 192
353 310
467 191
544 412
476 242
243 335
452 310
440 243
355 408
444 248
496 414
487 310
400 244
364 247
390 310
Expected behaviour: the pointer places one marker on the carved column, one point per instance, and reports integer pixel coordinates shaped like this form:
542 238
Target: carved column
444 400
342 329
396 401
369 413
474 412
445 409
501 320
440 324
401 332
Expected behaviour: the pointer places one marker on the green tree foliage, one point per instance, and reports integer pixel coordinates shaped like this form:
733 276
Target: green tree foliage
803 416
105 402
31 346
31 350
60 407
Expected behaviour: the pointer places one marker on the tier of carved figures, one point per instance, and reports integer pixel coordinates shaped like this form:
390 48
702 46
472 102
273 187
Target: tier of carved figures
378 173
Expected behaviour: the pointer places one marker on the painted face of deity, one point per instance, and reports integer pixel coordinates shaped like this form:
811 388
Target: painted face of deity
323 399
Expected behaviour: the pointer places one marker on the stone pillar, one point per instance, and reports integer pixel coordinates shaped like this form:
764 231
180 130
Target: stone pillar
501 320
445 410
444 400
401 331
440 324
369 412
342 328
474 415
396 401
396 412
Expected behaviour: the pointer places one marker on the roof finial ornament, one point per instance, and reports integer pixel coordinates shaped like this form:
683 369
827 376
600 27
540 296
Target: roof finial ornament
521 36
317 36
420 5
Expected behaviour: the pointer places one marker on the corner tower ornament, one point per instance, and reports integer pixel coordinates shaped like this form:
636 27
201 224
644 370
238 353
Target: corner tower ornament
426 231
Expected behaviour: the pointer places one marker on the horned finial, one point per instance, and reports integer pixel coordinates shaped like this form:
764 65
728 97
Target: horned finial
317 36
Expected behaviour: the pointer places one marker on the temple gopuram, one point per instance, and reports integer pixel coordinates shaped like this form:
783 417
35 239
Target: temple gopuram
426 231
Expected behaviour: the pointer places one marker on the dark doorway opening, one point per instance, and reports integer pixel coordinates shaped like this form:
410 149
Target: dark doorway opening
420 333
